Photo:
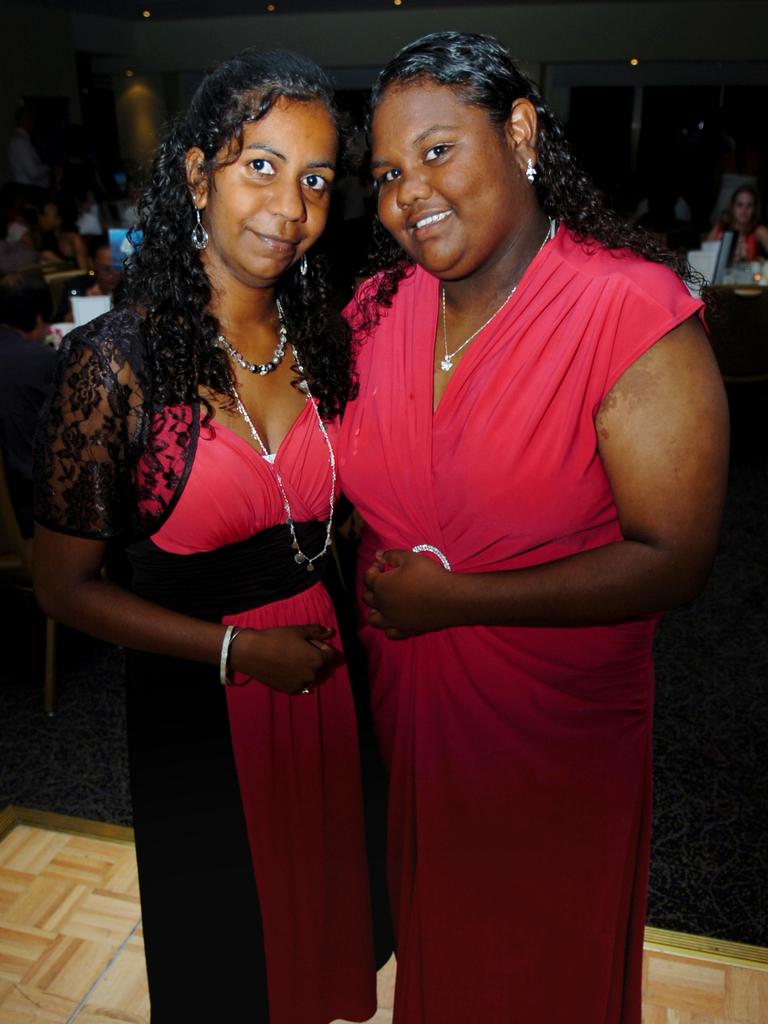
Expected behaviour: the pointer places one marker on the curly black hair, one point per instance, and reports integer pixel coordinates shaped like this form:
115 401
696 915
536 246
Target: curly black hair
484 75
165 278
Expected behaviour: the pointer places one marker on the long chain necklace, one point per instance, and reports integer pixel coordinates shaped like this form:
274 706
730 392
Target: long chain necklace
261 368
446 363
301 558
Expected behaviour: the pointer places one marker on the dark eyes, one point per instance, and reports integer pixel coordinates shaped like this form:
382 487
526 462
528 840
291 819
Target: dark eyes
316 182
265 168
261 165
387 176
430 156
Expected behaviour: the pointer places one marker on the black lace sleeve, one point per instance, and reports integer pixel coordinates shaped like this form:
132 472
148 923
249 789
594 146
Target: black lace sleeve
90 431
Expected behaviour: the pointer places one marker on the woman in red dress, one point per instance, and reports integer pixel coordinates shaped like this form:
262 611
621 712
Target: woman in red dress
538 451
743 217
194 426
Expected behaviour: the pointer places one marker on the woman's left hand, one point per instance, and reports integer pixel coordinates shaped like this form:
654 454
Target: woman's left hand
403 591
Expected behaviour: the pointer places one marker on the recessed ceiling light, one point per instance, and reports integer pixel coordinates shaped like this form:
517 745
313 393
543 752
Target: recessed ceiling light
634 61
271 8
129 73
146 14
397 3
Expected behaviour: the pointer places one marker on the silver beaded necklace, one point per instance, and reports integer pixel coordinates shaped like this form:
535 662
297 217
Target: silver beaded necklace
301 558
446 363
261 368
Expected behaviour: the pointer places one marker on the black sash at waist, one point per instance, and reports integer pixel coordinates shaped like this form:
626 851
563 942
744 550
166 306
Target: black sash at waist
231 579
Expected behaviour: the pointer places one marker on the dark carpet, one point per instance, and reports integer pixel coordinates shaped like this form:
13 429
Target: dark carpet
710 846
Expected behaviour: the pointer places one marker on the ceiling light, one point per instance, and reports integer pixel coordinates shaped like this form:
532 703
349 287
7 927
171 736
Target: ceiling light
271 8
146 14
634 61
129 73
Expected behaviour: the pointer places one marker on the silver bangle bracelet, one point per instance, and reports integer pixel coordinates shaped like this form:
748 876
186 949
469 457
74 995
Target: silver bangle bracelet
229 635
433 551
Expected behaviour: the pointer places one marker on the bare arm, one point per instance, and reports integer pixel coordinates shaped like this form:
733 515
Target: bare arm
80 252
663 438
70 588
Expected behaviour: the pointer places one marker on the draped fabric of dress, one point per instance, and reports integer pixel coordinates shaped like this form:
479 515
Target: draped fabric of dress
296 757
246 801
519 758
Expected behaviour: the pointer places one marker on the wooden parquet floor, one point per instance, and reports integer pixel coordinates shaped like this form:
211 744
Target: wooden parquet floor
71 946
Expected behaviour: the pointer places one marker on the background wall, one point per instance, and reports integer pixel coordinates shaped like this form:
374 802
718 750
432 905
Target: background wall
717 39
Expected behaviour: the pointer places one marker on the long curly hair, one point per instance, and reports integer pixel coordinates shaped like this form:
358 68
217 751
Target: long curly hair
165 277
484 75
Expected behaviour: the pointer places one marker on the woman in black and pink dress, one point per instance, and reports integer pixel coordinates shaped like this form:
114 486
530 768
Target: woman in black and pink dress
195 425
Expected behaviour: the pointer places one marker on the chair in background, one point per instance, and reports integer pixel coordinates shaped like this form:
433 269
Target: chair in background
16 572
739 333
739 336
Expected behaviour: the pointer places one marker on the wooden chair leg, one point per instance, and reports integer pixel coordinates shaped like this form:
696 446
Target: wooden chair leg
49 686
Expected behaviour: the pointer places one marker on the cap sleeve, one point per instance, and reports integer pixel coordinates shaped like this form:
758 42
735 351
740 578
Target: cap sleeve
644 307
83 449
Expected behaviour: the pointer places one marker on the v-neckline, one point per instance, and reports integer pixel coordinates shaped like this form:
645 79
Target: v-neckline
218 425
541 253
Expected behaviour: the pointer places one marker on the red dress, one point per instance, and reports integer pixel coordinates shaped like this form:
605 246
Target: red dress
296 757
519 758
747 247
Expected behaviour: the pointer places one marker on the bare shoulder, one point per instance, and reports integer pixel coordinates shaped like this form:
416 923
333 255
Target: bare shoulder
676 374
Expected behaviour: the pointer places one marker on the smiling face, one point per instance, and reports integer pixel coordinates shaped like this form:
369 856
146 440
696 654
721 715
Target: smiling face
266 208
451 183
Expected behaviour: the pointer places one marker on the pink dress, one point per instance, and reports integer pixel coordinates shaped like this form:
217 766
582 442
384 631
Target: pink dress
296 756
519 758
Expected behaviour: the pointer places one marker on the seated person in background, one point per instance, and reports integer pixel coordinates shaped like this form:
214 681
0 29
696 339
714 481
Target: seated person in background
743 217
102 280
57 234
13 204
16 251
26 376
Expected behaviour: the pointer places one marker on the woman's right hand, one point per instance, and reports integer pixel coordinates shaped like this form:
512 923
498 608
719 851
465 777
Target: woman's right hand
287 658
71 589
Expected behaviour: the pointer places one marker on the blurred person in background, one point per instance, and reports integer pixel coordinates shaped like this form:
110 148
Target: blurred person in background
743 216
25 164
56 233
26 377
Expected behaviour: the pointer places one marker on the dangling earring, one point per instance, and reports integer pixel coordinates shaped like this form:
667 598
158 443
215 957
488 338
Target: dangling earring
199 234
530 171
303 265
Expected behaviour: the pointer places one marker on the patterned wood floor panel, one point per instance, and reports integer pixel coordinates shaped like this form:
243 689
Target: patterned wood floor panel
71 949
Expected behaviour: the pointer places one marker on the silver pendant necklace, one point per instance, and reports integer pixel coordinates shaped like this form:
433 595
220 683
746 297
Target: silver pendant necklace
301 558
446 363
261 368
